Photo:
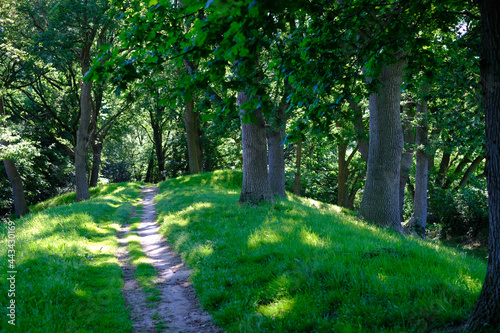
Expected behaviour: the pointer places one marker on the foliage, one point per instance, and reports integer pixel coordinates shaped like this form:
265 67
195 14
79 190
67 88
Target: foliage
303 266
68 278
462 213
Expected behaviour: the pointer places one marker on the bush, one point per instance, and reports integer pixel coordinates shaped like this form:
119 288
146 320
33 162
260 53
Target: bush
462 213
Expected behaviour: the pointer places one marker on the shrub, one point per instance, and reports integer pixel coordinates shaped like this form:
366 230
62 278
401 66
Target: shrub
463 213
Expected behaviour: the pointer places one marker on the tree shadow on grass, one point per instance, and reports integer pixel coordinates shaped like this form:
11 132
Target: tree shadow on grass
291 267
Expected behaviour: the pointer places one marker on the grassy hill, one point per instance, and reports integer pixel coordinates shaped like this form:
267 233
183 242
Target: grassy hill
296 266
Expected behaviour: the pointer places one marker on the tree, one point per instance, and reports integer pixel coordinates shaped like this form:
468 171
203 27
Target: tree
380 202
256 186
91 22
16 181
422 169
486 312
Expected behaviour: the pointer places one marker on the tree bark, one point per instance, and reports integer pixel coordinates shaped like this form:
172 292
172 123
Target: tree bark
486 312
421 172
470 170
443 167
342 176
380 203
193 141
276 153
406 158
149 170
298 161
255 187
96 162
82 139
20 206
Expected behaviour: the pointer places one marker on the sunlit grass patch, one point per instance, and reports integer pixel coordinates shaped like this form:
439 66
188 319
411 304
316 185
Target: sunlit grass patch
68 278
304 266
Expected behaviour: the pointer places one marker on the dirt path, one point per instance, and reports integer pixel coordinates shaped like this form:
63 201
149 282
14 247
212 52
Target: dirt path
179 309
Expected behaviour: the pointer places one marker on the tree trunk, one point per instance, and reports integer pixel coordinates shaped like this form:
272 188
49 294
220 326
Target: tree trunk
443 167
470 170
149 171
96 162
406 158
194 150
298 161
486 312
421 172
342 176
82 139
20 206
158 142
16 181
276 153
255 187
380 203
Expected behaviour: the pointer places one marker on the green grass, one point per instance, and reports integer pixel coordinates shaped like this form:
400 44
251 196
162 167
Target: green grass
296 266
304 266
68 278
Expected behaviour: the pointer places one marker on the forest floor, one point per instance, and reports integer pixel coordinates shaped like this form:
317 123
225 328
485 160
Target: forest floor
176 308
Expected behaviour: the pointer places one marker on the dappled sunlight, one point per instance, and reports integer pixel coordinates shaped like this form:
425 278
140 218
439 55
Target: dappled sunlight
263 236
310 238
470 283
299 257
203 250
278 308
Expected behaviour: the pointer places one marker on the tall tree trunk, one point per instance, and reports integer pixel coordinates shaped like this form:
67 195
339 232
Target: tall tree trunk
276 153
486 312
194 150
255 187
82 139
96 162
16 182
342 176
191 122
20 206
421 172
406 158
298 161
149 170
380 203
158 142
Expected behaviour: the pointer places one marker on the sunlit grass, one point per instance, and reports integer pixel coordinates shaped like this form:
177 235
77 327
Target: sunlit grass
304 266
68 278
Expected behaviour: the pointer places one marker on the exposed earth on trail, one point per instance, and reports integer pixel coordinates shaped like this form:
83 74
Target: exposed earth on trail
179 309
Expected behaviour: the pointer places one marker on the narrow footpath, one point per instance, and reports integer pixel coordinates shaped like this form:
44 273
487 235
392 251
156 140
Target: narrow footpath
179 309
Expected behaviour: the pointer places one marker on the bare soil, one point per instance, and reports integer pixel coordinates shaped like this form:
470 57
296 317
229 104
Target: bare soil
179 309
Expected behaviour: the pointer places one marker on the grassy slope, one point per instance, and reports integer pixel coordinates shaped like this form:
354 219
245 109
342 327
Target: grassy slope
294 267
68 279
